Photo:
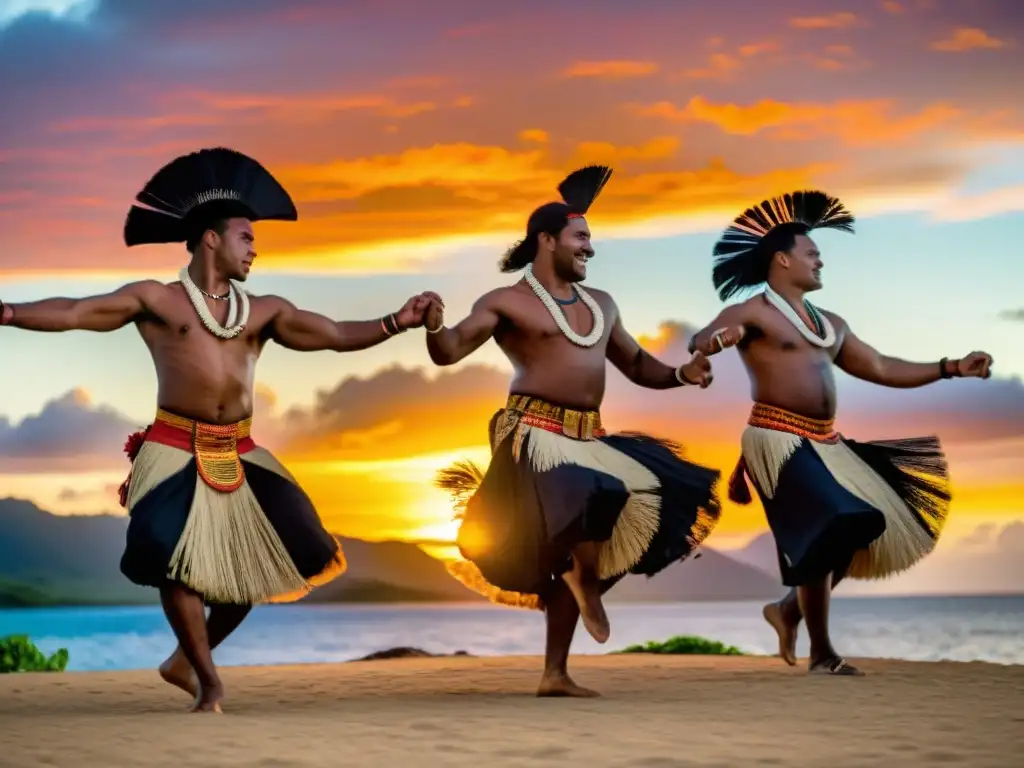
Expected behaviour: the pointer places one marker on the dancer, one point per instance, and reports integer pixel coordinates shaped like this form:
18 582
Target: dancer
215 518
836 507
565 510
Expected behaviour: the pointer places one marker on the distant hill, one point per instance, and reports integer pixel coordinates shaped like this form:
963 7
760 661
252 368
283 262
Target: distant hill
48 559
952 569
709 576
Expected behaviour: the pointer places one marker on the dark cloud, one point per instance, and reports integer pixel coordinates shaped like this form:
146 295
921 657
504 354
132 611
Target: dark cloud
69 434
1016 315
1011 538
395 411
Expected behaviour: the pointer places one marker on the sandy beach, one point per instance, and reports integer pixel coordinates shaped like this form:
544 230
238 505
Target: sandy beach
657 712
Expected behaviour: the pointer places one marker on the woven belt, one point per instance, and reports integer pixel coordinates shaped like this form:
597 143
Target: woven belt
217 447
770 417
579 425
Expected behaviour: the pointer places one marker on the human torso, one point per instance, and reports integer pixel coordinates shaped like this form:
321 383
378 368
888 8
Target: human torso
198 374
787 370
547 365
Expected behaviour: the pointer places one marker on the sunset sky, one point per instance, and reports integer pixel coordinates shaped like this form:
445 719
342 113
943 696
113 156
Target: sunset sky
416 138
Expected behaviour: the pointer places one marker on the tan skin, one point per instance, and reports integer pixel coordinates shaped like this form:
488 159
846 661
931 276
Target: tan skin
789 372
208 379
548 366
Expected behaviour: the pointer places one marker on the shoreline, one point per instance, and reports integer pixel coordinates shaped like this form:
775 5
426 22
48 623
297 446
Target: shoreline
475 603
659 711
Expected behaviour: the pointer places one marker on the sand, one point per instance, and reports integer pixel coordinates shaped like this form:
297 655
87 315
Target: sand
657 712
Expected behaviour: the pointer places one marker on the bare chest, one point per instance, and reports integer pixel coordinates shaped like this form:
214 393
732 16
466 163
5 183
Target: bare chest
774 334
179 328
533 330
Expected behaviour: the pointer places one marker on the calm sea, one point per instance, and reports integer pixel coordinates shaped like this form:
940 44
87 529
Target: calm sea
925 629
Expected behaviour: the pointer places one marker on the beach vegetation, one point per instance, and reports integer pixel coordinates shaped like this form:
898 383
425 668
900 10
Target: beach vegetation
19 654
685 645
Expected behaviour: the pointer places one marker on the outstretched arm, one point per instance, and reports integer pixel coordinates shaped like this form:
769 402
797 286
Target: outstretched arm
447 346
723 332
104 313
864 362
303 331
645 370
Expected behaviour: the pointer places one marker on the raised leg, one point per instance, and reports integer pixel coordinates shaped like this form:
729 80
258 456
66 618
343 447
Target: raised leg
585 586
222 621
187 616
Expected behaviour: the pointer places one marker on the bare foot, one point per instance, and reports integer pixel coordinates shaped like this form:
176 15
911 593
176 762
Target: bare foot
588 596
560 686
787 635
209 699
178 672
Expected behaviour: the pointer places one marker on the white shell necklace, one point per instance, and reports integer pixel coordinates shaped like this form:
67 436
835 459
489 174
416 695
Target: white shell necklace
784 307
238 307
563 325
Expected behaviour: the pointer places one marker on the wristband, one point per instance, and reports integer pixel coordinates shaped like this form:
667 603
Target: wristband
943 372
390 325
436 330
682 379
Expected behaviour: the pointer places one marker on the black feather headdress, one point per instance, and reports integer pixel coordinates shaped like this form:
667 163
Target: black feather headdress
579 190
191 192
744 252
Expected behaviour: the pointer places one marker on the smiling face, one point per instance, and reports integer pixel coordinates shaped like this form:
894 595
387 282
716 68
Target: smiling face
233 248
571 251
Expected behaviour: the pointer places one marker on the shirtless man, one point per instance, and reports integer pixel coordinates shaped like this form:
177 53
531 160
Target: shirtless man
566 510
215 519
837 507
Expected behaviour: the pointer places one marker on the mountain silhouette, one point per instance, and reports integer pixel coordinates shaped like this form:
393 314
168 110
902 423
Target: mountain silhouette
74 559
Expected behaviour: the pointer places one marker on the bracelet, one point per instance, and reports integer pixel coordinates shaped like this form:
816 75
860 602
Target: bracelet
6 313
682 379
943 371
436 330
390 325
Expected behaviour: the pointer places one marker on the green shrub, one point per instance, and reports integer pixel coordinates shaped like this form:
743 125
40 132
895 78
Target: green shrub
19 654
686 644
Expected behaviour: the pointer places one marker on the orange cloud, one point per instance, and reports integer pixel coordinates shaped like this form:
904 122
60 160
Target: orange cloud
754 49
448 190
535 135
721 66
839 20
611 70
893 6
968 39
724 66
293 105
603 152
854 122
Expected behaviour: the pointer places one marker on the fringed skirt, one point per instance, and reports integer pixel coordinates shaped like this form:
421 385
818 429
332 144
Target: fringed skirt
556 480
863 510
213 511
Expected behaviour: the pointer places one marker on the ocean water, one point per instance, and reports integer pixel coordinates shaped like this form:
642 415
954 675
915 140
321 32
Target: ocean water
919 629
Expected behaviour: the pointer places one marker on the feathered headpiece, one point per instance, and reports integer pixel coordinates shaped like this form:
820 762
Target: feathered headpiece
579 190
744 253
190 193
